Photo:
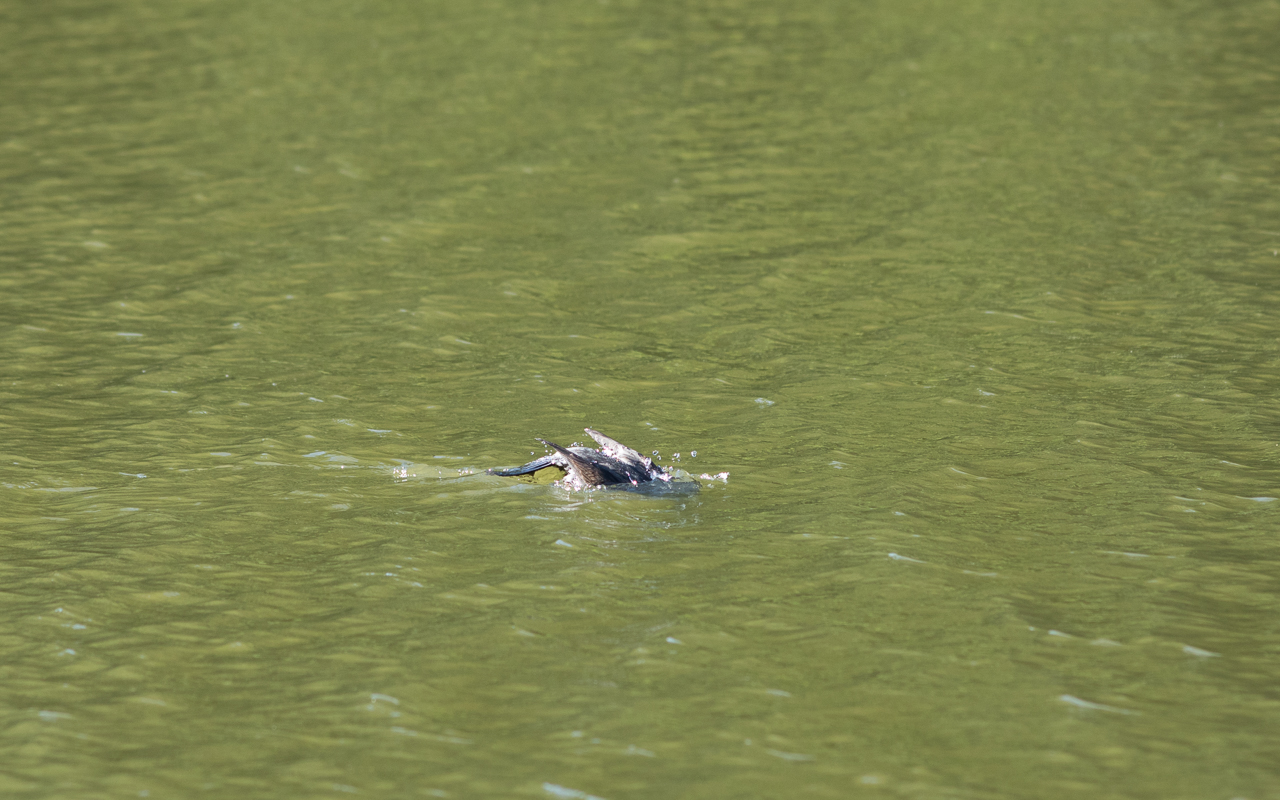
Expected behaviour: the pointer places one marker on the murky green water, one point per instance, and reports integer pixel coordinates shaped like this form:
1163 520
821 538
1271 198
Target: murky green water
975 303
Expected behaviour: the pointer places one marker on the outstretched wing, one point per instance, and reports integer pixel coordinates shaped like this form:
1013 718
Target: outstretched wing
552 460
616 449
555 459
591 472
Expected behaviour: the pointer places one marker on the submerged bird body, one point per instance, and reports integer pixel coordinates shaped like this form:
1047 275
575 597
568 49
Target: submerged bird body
613 464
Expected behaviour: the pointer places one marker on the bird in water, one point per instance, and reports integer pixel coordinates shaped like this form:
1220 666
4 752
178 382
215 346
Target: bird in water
614 464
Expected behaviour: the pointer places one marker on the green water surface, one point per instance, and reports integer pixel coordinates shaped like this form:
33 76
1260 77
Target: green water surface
968 309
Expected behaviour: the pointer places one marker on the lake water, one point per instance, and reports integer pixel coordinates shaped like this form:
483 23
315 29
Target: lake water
975 304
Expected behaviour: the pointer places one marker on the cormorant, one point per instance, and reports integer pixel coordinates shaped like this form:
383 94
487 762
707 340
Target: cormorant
612 465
